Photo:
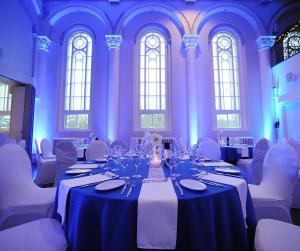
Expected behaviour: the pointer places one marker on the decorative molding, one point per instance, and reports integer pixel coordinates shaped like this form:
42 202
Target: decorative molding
265 42
190 41
113 41
43 43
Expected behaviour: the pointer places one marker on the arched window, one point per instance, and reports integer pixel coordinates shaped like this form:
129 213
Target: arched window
78 81
152 84
226 81
291 44
5 107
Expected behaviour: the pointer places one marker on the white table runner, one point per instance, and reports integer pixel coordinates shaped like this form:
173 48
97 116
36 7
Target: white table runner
240 184
66 185
157 216
87 166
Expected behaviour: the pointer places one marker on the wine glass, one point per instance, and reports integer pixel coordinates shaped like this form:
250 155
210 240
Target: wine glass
194 158
136 164
124 163
171 161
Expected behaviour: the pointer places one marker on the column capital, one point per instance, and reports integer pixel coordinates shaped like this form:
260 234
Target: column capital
265 42
190 41
43 43
113 41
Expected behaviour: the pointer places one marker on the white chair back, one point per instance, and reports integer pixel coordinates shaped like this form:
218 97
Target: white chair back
183 144
210 149
66 156
96 150
46 149
259 152
15 178
280 170
22 143
295 145
133 144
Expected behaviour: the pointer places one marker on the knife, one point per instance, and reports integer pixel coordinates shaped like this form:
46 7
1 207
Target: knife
180 189
124 188
130 189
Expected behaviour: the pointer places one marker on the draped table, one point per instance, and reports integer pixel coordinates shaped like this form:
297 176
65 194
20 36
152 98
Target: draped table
207 220
231 154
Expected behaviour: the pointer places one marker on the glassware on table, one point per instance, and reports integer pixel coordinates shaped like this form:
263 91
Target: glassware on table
136 164
124 163
172 161
194 158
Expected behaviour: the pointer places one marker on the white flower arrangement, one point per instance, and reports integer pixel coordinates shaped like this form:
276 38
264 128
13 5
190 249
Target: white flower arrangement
156 139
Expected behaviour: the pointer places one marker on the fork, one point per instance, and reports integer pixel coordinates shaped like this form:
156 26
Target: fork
130 189
180 189
124 187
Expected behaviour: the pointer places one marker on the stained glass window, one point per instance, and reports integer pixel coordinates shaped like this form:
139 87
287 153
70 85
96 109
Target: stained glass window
153 81
78 81
226 81
291 44
5 107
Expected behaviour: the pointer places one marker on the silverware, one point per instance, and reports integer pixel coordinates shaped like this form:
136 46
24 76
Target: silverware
90 184
124 187
179 188
130 189
212 183
154 180
229 175
82 174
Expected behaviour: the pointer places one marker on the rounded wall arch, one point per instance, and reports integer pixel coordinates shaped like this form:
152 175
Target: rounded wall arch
176 17
203 17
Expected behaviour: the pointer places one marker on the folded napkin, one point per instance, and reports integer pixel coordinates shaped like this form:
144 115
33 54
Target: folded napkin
88 166
66 185
216 163
157 216
243 151
240 184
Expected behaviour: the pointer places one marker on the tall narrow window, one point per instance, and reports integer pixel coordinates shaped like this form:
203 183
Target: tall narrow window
78 81
5 106
153 81
226 81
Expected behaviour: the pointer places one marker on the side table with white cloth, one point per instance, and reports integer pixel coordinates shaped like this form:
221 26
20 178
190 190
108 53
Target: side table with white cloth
155 215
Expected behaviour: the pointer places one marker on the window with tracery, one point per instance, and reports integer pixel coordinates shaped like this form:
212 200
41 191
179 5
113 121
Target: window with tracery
291 44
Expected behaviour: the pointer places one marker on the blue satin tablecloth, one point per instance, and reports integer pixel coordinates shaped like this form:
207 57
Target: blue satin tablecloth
207 221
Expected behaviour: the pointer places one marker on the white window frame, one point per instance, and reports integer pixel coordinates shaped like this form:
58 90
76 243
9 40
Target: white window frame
136 90
241 55
62 76
6 112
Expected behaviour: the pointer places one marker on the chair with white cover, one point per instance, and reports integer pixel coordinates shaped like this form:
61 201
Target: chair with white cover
98 149
21 199
46 149
273 235
254 167
272 198
39 235
66 156
296 199
22 143
134 142
209 149
46 168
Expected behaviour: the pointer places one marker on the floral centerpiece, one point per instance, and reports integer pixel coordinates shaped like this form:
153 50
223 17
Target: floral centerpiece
156 141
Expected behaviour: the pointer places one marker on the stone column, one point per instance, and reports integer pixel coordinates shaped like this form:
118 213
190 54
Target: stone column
41 118
190 43
264 44
113 43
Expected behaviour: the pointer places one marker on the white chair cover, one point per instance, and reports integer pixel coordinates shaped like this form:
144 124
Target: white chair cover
296 199
46 149
119 143
133 144
22 143
39 235
21 199
183 144
96 150
46 168
273 235
273 197
66 156
209 149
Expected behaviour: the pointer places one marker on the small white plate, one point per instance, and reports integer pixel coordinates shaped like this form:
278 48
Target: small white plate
193 184
101 160
109 185
227 170
77 171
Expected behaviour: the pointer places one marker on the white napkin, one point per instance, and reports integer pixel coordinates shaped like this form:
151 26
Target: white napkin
239 183
243 151
88 166
66 185
216 163
157 216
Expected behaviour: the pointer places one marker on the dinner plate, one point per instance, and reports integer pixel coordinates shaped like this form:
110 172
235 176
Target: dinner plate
193 184
227 170
109 185
77 171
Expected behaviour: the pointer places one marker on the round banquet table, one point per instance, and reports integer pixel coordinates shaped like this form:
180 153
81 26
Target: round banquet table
208 220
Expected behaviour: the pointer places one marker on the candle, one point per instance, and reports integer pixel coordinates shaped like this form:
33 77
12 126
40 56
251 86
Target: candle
155 161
